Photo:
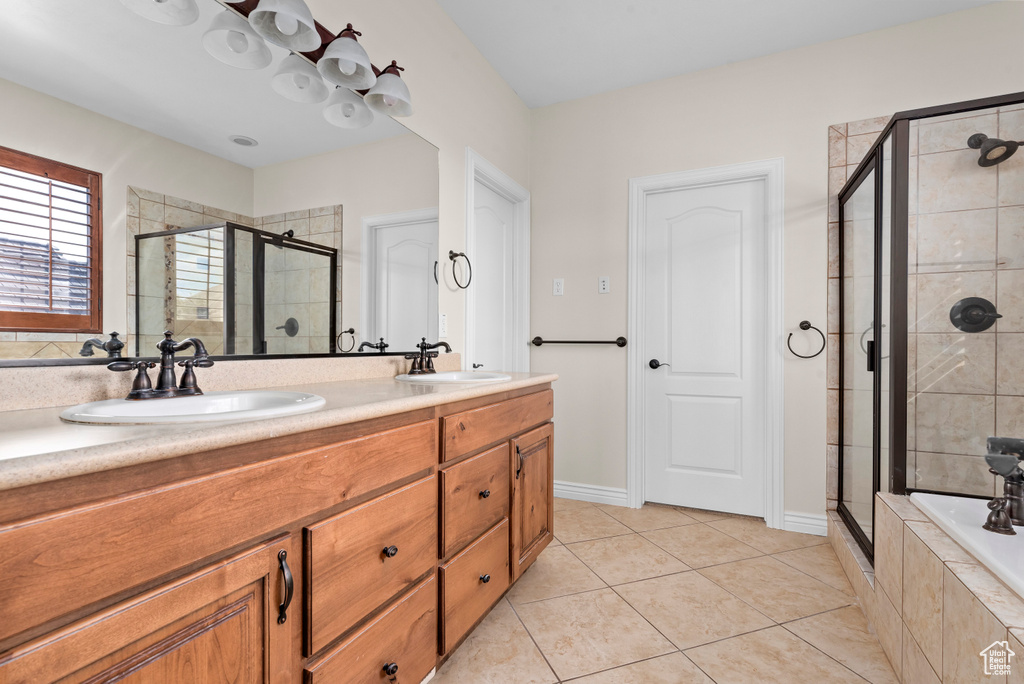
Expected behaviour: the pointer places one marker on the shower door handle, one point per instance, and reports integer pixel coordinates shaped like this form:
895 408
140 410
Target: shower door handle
871 356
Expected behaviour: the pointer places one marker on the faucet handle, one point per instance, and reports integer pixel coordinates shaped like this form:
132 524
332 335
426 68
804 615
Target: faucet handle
121 366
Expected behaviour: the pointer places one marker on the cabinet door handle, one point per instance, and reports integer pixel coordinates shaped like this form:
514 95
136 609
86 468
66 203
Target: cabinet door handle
485 578
391 669
484 494
289 587
390 551
519 454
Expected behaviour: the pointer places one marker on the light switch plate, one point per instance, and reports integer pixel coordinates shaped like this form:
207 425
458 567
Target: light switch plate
604 285
442 326
558 287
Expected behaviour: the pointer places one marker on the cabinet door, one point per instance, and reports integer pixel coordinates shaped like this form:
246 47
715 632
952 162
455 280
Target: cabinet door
218 624
533 517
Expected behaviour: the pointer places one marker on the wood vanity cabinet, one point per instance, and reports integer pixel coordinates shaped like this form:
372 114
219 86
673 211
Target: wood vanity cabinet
336 556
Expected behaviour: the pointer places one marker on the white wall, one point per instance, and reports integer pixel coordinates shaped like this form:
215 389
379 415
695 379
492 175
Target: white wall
45 126
583 153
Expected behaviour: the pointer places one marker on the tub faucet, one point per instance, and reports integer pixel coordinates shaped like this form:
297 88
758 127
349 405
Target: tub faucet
113 346
1004 457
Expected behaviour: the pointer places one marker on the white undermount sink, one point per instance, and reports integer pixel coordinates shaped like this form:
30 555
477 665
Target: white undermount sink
469 377
208 407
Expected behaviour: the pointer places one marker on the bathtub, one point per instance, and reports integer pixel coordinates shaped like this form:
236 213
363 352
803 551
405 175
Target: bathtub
961 518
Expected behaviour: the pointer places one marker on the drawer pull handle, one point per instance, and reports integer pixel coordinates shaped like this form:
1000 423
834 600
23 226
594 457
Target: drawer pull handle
484 494
390 551
391 669
519 454
485 578
289 587
461 426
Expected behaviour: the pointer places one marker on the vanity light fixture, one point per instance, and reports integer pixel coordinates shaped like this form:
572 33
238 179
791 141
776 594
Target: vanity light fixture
170 12
299 81
287 23
345 109
345 62
230 39
390 95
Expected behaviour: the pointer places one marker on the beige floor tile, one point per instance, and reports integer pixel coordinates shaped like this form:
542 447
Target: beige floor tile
777 590
674 668
587 633
650 517
844 635
556 572
699 545
581 524
626 559
754 532
771 656
498 651
821 563
571 504
692 610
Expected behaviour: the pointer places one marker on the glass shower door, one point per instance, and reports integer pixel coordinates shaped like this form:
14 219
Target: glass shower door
857 484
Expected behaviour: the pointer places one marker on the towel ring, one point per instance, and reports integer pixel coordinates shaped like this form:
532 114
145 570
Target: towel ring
806 325
352 332
455 255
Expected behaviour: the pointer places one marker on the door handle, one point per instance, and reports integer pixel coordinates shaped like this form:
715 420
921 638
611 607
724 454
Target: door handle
871 356
656 364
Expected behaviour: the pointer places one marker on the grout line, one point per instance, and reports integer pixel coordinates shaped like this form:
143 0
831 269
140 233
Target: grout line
535 644
838 662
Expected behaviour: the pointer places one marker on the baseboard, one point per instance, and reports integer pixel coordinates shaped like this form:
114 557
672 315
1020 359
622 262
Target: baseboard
592 493
806 523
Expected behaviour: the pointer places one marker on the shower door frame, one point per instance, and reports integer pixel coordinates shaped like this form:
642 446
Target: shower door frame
898 129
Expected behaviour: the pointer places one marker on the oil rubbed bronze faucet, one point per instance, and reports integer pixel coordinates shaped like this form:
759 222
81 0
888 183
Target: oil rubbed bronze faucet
380 346
113 346
1005 454
423 362
166 384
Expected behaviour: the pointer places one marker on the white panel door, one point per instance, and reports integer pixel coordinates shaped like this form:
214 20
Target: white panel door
491 297
405 292
704 413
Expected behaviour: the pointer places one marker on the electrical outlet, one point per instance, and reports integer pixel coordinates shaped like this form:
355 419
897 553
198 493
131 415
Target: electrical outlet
558 287
442 326
603 285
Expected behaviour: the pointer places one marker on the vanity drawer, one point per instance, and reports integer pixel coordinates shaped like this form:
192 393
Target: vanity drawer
472 430
465 510
404 635
465 596
349 571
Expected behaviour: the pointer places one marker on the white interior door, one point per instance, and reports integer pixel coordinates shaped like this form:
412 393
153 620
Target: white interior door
705 283
491 298
402 301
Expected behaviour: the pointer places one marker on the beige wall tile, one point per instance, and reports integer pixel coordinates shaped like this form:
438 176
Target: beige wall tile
956 241
836 181
1010 293
874 125
903 507
889 553
938 292
151 211
857 146
133 203
889 627
1010 375
957 363
1016 639
953 181
954 423
947 135
185 204
836 148
916 669
922 597
832 416
994 595
1011 180
954 472
967 628
832 472
1009 415
938 542
1010 249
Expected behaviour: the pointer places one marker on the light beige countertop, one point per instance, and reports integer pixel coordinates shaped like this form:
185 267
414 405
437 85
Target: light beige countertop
37 446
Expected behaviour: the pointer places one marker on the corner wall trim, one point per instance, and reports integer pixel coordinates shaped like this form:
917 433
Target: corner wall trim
592 493
806 523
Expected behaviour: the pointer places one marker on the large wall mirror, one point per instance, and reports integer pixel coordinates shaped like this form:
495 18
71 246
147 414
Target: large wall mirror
229 213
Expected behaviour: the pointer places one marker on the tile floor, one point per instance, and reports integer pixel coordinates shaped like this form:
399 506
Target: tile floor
666 595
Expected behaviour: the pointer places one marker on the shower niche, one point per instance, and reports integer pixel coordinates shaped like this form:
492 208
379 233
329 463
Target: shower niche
931 305
243 291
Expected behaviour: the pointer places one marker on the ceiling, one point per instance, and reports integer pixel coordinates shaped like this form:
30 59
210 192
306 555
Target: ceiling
101 56
557 50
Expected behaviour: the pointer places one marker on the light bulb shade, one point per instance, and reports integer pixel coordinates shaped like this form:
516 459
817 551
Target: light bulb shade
345 109
230 39
287 23
341 56
299 81
389 96
170 12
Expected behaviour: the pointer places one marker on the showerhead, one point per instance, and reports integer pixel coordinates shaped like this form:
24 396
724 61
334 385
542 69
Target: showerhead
993 150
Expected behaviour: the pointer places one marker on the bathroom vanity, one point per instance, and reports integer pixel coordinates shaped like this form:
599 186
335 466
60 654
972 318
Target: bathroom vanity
354 552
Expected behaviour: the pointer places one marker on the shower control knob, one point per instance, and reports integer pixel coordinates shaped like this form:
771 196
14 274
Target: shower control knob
656 364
